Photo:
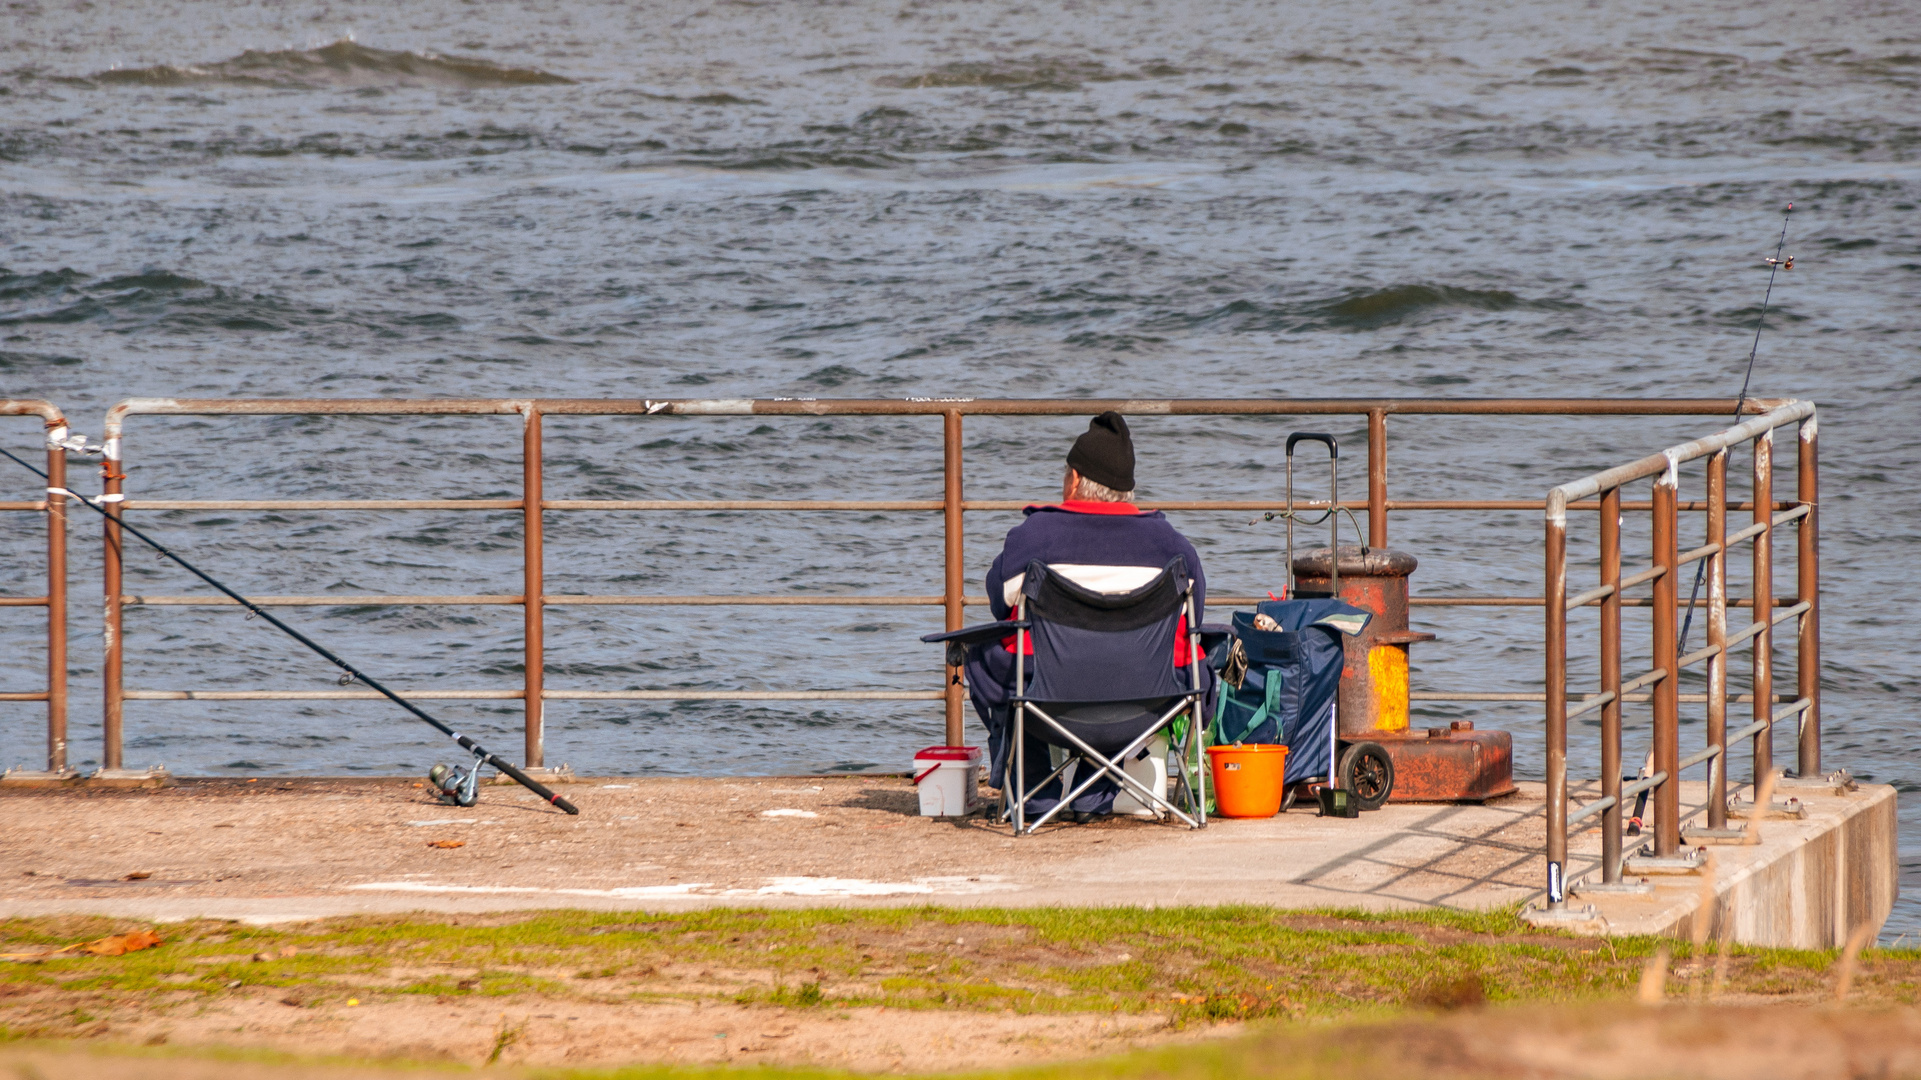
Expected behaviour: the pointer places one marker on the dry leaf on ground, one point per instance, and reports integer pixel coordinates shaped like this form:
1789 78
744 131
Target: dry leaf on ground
112 945
446 843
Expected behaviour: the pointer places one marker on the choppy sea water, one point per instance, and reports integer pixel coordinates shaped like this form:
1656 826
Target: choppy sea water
920 199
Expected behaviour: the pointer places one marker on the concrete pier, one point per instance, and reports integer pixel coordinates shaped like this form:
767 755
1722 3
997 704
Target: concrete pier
1810 882
282 850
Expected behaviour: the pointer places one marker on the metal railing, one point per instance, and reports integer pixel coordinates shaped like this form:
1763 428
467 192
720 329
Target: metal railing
533 504
54 509
1665 574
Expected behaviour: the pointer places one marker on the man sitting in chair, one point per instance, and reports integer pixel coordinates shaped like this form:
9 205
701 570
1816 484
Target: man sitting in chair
1098 539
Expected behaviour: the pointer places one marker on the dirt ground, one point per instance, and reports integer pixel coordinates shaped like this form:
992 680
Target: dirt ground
814 839
531 1031
295 849
1739 1042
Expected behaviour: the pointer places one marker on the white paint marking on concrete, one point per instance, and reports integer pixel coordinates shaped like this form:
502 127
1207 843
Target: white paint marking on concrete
683 889
788 811
829 886
777 886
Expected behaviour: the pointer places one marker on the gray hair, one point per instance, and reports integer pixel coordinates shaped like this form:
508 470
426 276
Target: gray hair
1087 490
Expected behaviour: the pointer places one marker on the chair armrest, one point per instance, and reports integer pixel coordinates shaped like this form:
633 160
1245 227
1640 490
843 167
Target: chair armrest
1213 634
973 635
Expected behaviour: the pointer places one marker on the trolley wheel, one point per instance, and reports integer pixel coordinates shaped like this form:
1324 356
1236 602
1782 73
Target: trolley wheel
1367 773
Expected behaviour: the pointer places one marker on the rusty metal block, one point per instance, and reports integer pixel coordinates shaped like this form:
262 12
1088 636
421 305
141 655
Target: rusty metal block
1451 764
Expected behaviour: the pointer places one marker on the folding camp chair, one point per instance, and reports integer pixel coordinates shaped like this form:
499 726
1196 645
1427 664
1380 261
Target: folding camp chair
1103 685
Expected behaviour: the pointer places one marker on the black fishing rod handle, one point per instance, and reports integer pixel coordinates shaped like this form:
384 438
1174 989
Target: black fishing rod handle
534 785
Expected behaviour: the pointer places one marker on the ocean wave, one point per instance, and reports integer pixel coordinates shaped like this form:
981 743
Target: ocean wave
789 160
157 300
1359 309
1039 73
344 63
12 361
1380 307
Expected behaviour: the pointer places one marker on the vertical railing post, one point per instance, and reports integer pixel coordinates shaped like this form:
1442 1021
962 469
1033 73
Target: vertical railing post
1718 639
1667 696
1556 701
1807 565
533 558
1763 590
56 611
953 592
1377 478
1611 684
112 472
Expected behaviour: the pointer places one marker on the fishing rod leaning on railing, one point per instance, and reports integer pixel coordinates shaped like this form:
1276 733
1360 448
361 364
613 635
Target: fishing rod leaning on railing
456 785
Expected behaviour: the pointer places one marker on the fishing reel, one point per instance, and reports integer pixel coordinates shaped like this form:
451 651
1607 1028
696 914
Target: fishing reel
456 785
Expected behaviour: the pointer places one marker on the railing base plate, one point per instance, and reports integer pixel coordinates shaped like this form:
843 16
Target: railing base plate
1567 918
1642 887
1735 834
1841 780
1687 862
1778 809
156 777
32 778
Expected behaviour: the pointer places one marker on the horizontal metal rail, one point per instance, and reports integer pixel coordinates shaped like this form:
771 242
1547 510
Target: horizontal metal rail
580 600
1746 634
1668 642
1538 697
743 695
930 407
320 695
323 504
803 505
532 503
520 695
53 439
1628 791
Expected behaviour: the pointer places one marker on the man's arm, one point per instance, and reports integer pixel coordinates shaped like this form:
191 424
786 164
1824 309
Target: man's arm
1200 579
996 584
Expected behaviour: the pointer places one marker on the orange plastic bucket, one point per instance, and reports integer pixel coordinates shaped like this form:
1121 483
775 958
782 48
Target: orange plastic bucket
1248 779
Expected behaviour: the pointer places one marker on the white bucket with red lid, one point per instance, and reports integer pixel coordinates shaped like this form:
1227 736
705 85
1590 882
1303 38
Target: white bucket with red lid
948 779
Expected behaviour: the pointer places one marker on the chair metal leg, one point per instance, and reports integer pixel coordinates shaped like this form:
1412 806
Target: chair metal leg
1115 767
1019 757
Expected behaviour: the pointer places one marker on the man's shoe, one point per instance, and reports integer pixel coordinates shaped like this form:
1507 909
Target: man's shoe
1083 817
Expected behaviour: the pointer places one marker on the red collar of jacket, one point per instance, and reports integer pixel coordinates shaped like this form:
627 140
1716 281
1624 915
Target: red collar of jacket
1081 506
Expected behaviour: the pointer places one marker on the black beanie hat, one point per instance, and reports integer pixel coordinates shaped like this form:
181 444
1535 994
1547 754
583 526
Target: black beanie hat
1105 454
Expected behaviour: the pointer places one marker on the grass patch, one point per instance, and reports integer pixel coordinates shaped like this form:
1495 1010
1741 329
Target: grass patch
1195 964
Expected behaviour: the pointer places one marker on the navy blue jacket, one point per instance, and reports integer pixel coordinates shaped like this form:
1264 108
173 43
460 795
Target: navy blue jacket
1098 540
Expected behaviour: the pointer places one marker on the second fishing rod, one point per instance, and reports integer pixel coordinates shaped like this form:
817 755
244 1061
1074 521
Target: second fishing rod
457 784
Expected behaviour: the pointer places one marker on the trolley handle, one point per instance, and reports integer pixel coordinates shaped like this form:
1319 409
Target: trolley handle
1333 508
1333 444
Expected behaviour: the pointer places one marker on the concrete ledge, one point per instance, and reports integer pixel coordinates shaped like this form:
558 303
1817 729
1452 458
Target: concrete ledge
1809 883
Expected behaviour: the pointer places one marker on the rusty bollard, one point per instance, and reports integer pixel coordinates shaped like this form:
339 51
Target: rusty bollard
1440 764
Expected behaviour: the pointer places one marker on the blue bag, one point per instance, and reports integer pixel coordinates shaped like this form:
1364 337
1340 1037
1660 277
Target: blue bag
1292 680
